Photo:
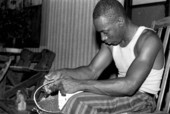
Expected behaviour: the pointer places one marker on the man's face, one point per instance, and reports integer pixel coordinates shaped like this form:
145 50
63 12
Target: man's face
110 32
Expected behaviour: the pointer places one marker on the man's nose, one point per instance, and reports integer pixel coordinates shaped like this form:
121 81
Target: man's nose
103 37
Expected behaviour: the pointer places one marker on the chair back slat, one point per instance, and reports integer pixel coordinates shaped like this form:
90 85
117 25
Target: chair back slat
160 32
167 70
166 38
163 86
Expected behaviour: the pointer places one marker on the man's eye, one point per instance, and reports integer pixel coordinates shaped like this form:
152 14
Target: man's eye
105 33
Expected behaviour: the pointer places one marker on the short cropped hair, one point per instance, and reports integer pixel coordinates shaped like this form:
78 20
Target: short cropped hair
109 8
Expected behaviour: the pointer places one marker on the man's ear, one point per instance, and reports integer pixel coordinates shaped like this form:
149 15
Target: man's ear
121 21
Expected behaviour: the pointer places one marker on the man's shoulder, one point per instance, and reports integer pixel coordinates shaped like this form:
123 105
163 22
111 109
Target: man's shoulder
148 34
148 37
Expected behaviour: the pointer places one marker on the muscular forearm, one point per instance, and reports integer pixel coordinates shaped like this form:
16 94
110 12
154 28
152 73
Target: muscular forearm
114 87
80 73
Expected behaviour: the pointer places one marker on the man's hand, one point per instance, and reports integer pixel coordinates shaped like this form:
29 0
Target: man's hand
70 85
50 78
64 85
54 75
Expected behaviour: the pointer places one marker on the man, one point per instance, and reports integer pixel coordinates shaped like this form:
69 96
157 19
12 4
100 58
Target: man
138 55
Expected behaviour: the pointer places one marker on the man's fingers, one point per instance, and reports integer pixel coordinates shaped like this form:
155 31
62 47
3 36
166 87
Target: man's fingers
49 76
53 86
53 76
47 88
47 84
61 89
53 80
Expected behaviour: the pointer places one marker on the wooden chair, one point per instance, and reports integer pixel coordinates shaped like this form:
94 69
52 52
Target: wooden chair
33 65
30 71
27 73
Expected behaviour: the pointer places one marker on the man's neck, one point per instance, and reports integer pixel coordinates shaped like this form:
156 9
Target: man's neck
130 32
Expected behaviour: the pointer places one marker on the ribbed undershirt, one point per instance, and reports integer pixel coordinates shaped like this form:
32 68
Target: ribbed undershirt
124 56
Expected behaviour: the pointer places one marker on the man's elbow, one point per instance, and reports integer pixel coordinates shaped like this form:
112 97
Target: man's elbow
93 72
130 90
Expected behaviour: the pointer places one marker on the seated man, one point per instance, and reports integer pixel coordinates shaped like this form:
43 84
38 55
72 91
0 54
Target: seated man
138 54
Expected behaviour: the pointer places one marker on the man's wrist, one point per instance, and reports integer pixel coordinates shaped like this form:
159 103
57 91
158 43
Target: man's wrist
83 85
62 73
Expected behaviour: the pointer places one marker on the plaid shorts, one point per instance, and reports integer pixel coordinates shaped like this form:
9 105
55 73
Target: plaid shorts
89 103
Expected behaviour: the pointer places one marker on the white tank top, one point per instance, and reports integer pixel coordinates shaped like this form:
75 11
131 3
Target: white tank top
124 56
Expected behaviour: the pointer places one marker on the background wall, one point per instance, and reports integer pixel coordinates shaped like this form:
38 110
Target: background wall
145 11
67 29
144 15
137 2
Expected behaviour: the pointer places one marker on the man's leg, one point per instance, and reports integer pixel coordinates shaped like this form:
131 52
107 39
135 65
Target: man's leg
89 103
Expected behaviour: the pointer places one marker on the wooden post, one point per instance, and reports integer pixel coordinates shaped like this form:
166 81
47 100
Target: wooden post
128 7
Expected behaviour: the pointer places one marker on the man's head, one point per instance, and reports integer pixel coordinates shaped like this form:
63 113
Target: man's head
109 19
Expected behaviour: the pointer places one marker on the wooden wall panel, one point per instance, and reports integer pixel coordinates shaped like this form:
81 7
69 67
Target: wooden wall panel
67 29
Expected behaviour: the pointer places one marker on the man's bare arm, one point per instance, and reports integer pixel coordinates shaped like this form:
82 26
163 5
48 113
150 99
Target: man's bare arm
94 69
